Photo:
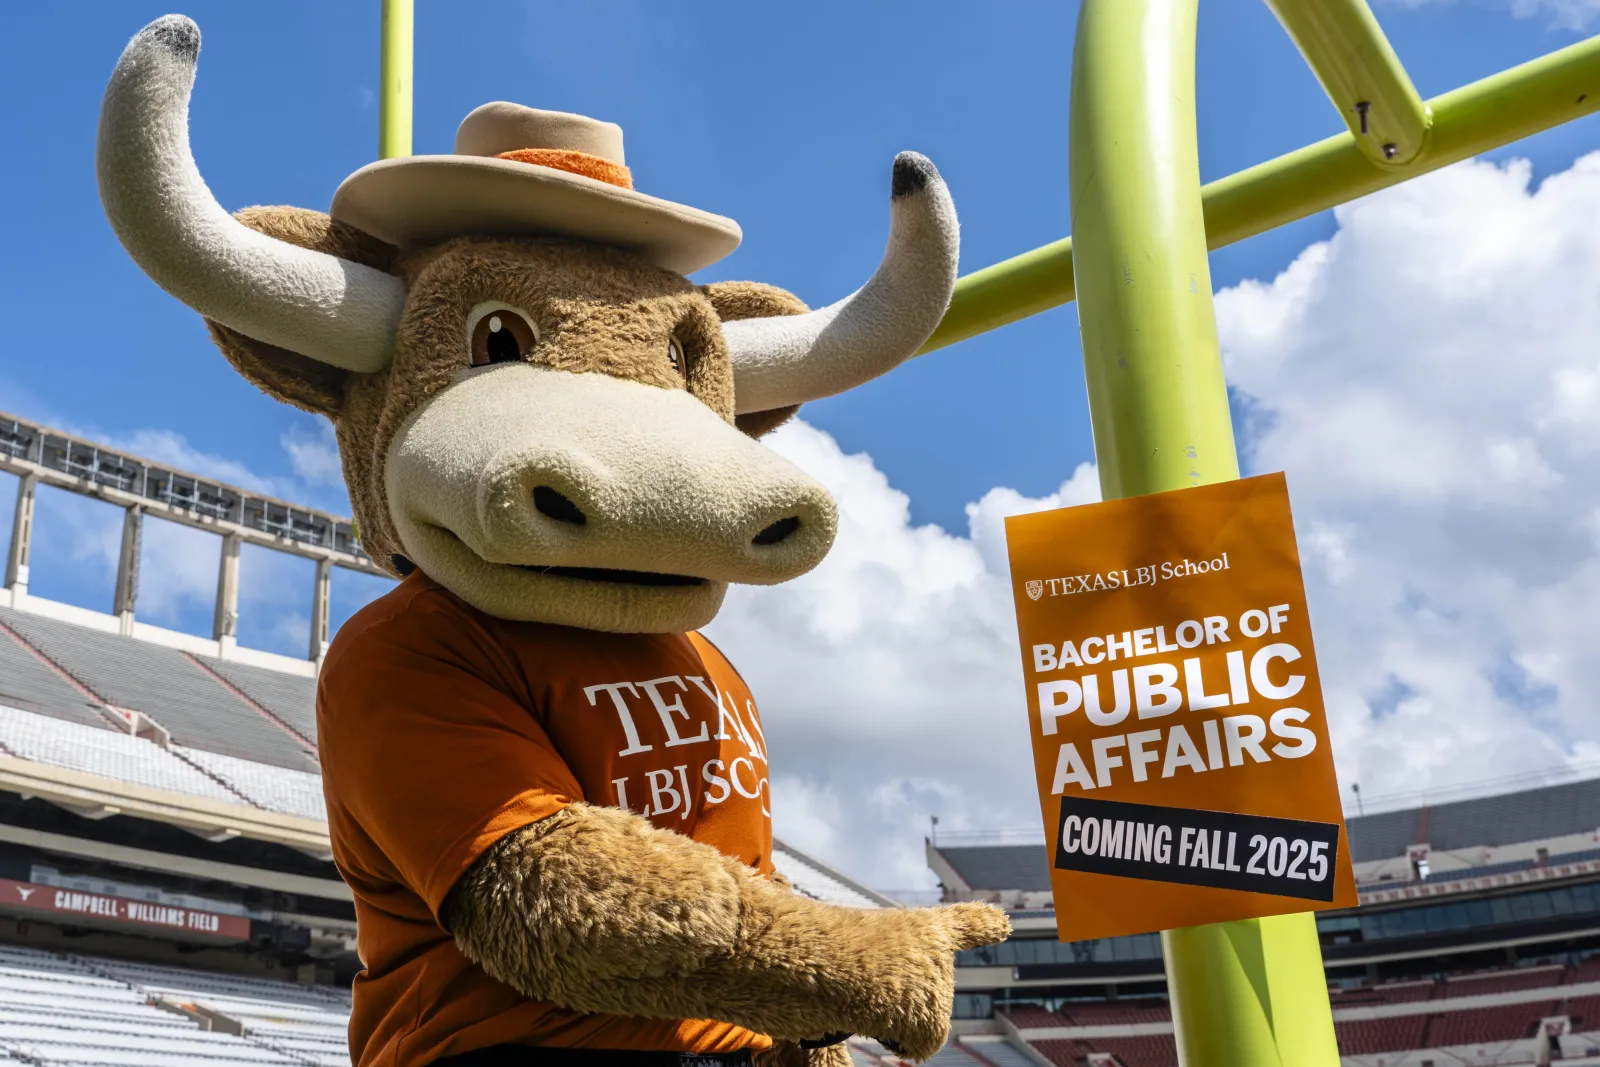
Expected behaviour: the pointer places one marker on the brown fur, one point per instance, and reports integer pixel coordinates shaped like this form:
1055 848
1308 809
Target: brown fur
594 908
761 423
752 300
755 300
599 911
788 1054
598 310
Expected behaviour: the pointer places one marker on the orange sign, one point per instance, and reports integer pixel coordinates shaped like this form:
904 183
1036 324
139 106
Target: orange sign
1179 737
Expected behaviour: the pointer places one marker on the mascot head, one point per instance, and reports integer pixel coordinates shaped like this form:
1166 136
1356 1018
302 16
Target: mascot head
533 404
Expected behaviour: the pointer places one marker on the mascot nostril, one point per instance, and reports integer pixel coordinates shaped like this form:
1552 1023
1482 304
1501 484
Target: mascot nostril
548 792
553 505
778 531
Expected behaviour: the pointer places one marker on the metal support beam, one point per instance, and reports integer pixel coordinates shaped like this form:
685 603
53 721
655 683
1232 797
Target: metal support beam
321 599
1359 71
127 589
394 76
1485 115
21 536
65 461
225 623
1249 993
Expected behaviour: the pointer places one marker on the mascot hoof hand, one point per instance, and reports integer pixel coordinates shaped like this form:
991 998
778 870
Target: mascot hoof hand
976 925
919 985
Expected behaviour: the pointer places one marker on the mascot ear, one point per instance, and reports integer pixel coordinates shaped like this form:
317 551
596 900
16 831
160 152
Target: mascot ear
755 300
306 383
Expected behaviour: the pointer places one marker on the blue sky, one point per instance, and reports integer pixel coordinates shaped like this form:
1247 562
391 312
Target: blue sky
786 118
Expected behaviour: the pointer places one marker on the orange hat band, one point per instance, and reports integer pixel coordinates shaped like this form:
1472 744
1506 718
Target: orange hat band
574 163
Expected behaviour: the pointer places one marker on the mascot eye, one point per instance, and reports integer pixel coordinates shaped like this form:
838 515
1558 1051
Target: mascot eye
501 335
675 354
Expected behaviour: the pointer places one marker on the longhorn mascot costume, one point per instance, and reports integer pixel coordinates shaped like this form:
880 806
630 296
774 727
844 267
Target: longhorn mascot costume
547 792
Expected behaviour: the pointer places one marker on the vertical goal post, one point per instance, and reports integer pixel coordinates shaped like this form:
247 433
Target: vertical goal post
394 79
1249 993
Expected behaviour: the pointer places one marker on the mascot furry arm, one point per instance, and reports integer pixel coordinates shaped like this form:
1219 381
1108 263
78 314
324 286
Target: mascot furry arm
597 909
554 426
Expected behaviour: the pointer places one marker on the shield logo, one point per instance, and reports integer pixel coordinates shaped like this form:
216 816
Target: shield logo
1035 589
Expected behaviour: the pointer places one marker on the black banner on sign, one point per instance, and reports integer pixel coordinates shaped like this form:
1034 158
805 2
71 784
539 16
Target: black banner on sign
1192 846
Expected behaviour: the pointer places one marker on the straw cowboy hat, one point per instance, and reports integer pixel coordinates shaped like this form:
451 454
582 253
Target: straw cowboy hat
518 171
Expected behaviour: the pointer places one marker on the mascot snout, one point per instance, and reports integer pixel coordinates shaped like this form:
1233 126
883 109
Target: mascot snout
595 491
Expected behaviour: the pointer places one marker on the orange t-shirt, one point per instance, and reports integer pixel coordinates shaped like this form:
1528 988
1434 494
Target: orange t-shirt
442 729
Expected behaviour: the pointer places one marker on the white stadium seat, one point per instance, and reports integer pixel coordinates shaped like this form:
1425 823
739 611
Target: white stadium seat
81 1011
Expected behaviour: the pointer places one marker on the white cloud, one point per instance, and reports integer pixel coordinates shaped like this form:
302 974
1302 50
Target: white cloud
1575 15
83 537
889 677
1427 378
315 454
308 442
1563 14
170 447
178 575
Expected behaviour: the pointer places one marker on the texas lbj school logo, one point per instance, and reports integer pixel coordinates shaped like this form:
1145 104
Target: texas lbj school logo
1125 577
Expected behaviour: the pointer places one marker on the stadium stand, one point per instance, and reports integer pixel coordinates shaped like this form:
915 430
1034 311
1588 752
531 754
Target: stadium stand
85 1012
985 1052
166 889
59 1007
1529 815
1357 1036
1062 1052
820 882
1480 920
164 684
291 698
1000 867
305 1023
1029 1015
104 753
953 1055
1468 985
1153 1050
28 680
1394 993
1505 1023
995 1050
274 788
1124 1013
1584 1012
